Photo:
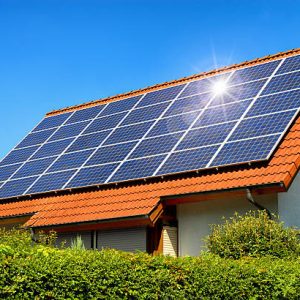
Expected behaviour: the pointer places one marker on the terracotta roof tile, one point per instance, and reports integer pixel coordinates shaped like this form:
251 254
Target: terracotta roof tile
134 200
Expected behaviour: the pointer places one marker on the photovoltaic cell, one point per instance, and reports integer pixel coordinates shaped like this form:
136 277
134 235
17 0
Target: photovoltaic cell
85 114
290 64
263 125
283 83
17 156
138 168
36 138
7 171
161 95
51 182
105 123
173 124
188 104
245 151
275 103
145 113
158 145
89 141
52 148
68 131
188 160
128 133
206 136
119 106
92 175
34 167
110 154
70 161
16 187
53 121
225 113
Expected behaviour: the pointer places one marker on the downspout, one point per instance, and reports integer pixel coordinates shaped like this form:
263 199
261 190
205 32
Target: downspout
259 206
33 237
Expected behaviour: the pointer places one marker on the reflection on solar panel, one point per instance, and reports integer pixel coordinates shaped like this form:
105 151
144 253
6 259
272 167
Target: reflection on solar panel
177 129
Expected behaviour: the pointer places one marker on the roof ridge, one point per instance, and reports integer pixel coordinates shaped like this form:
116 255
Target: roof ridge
176 81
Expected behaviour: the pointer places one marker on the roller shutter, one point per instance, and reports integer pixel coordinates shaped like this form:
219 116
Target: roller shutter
130 239
170 241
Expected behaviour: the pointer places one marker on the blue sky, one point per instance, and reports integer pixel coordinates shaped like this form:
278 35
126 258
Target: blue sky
56 53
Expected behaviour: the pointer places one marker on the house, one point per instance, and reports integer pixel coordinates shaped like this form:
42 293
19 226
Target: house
62 176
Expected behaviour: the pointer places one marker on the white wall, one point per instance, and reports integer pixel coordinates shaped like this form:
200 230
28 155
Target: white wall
289 204
194 219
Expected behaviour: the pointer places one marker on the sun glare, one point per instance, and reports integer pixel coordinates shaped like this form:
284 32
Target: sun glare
219 87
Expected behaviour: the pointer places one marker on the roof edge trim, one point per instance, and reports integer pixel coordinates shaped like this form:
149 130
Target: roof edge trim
144 219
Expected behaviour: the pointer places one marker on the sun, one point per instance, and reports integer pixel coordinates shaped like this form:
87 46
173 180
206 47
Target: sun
219 87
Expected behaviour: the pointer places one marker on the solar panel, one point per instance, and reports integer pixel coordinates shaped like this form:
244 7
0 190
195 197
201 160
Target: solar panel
107 154
70 160
156 145
173 124
34 167
204 136
85 114
36 138
88 141
176 129
245 150
137 168
52 148
192 159
18 155
52 122
7 171
221 114
50 182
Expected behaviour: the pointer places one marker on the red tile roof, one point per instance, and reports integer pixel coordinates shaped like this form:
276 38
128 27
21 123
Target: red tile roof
138 200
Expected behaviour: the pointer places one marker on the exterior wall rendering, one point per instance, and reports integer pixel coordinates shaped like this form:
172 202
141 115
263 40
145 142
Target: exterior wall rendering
194 219
289 204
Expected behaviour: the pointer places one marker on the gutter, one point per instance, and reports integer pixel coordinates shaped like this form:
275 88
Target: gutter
250 198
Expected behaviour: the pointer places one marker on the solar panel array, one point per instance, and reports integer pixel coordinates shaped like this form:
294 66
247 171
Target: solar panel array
176 129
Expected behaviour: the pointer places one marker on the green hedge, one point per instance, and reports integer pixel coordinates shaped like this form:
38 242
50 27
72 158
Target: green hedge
31 271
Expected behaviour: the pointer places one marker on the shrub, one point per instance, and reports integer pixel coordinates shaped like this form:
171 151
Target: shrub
77 243
253 235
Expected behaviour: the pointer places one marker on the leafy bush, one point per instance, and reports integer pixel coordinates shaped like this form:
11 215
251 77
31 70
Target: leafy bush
253 235
77 243
43 272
